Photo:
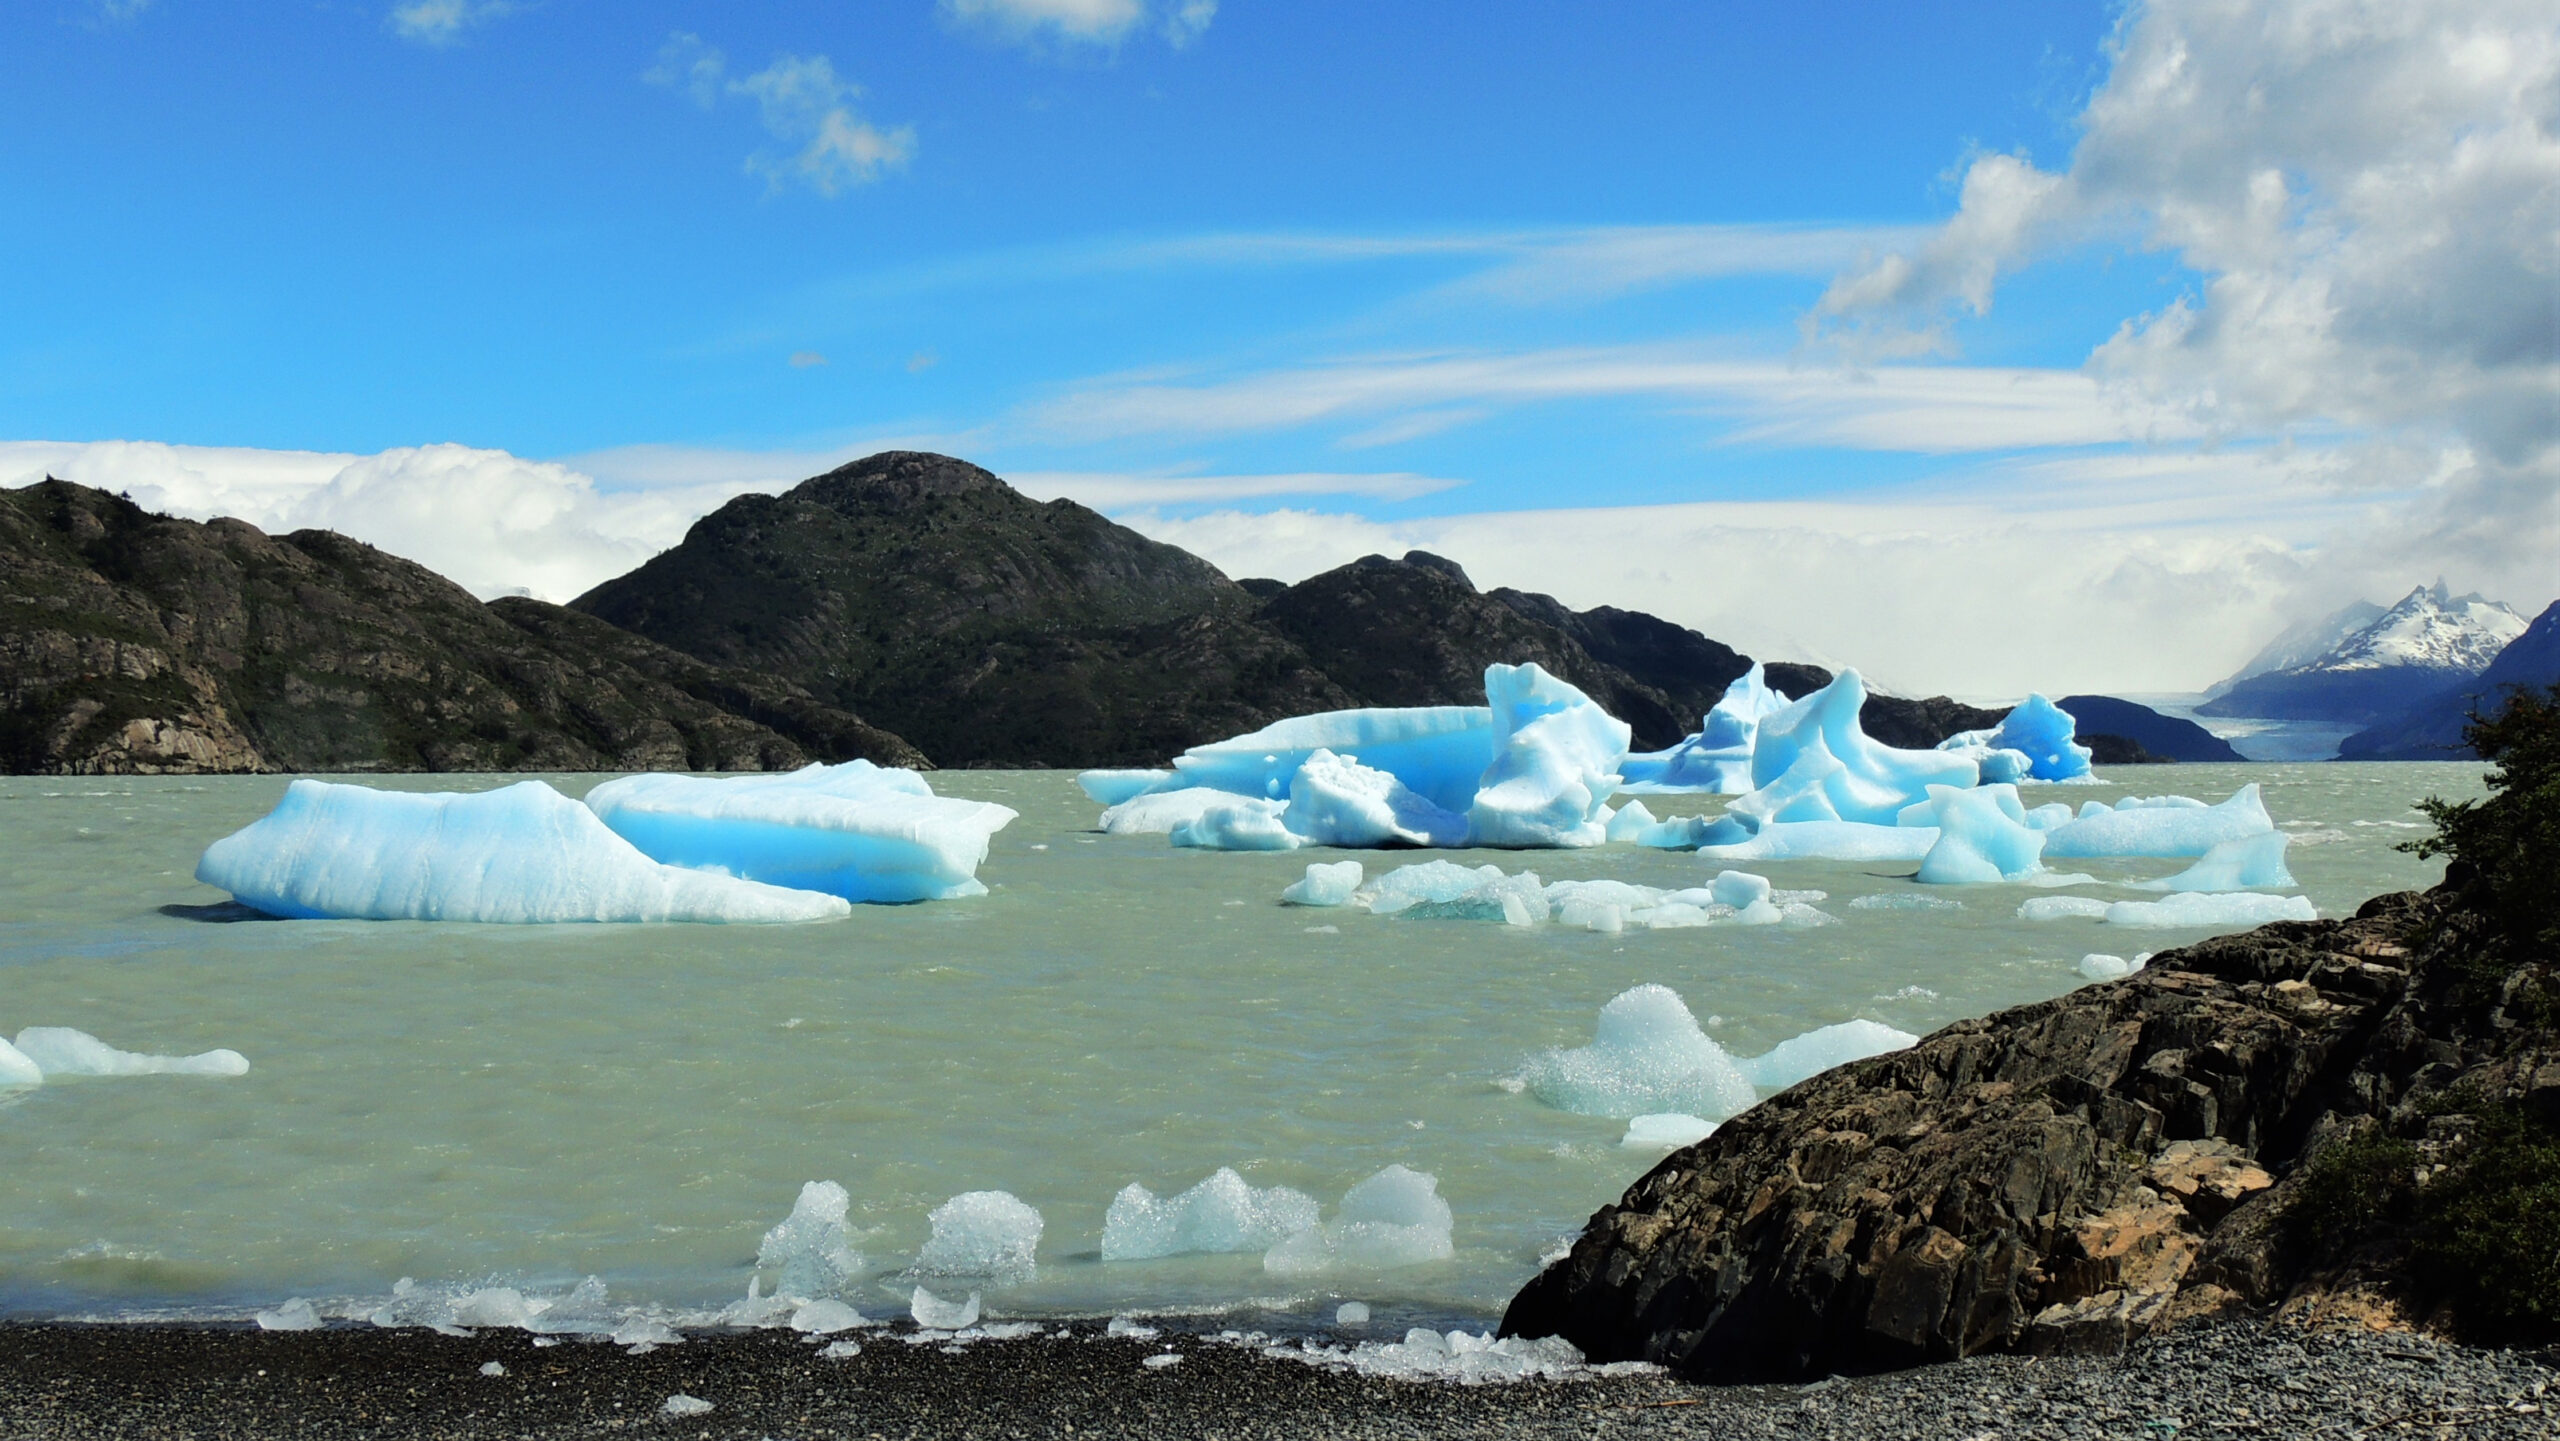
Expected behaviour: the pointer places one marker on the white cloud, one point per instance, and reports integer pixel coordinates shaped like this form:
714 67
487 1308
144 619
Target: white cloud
2368 191
1084 22
1107 490
803 103
442 22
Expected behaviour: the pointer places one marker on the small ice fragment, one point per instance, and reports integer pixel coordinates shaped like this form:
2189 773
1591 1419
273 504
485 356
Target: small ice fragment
641 1334
296 1314
16 1069
494 1306
2106 968
1631 821
1159 1362
1647 1055
1898 901
2055 908
935 1314
1128 1326
840 1350
825 1318
1665 1131
682 1405
1325 885
1221 1213
1739 889
2229 909
493 1368
1351 1313
982 1233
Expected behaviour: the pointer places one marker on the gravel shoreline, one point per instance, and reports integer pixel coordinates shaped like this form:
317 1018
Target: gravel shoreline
147 1381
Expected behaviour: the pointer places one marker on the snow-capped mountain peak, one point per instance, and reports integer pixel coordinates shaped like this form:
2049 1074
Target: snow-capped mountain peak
2430 629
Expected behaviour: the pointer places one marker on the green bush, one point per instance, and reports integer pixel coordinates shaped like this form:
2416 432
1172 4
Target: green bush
2353 1190
2508 842
2488 1229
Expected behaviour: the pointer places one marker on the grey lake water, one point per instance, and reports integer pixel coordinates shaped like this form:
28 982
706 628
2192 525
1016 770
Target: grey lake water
465 1104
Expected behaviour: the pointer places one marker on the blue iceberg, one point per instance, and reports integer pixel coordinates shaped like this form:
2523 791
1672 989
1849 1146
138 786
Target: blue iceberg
2033 742
522 853
2165 826
1811 762
1718 758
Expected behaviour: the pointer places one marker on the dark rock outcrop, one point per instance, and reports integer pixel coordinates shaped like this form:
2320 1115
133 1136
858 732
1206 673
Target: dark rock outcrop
138 643
2062 1176
2162 737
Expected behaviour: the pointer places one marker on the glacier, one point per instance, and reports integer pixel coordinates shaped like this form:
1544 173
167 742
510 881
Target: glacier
856 830
521 853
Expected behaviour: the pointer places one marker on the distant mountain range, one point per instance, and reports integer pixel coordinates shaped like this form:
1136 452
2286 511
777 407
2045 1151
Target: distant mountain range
2375 667
2432 729
909 608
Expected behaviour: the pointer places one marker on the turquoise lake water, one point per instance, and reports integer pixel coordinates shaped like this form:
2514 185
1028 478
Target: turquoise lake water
469 1105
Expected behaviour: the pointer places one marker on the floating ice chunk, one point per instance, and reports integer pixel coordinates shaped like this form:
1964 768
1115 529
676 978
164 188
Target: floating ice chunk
1592 915
1325 885
1982 837
935 1314
682 1405
17 1068
1647 1055
1336 801
2053 813
856 830
1439 752
2235 865
2056 908
62 1051
1394 1218
1512 900
2160 826
1620 894
1158 813
522 853
2224 910
1665 1131
1222 1213
1110 787
1429 881
1828 841
1738 889
808 1251
1718 757
1351 1313
1811 762
1817 1051
1237 823
1629 822
2044 731
1555 762
825 1318
1903 901
2106 968
982 1233
294 1315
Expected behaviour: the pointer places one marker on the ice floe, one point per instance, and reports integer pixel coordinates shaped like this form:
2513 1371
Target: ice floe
1221 1213
934 1313
1394 1218
856 830
521 853
2162 826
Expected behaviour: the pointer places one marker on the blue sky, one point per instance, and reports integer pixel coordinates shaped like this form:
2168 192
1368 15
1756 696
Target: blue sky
1224 269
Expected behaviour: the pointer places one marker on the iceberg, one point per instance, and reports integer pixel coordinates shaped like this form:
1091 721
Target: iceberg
1647 1055
1555 763
2247 863
1629 822
992 1234
1394 1218
2162 826
1828 841
808 1251
1336 801
2229 908
2107 968
62 1051
2045 733
1817 1051
1430 881
522 853
1983 836
856 830
1665 1131
1111 787
1237 823
1325 885
1811 762
1162 812
17 1069
1222 1213
1718 758
1438 752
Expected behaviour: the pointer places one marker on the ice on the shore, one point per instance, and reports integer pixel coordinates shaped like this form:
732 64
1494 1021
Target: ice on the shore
2161 826
521 853
1336 801
934 1313
1665 1131
1811 762
1647 1055
1351 1313
1718 757
1817 1051
62 1051
1325 884
1460 1357
2248 863
856 830
1221 1213
680 1406
992 1234
1394 1218
1983 837
296 1314
2225 909
1555 763
809 1252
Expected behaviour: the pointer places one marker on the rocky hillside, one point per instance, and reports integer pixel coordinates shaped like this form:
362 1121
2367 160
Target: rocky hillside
2158 736
2356 1117
138 643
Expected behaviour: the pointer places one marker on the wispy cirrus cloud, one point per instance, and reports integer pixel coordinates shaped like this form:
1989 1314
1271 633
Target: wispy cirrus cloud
1085 22
443 22
803 103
